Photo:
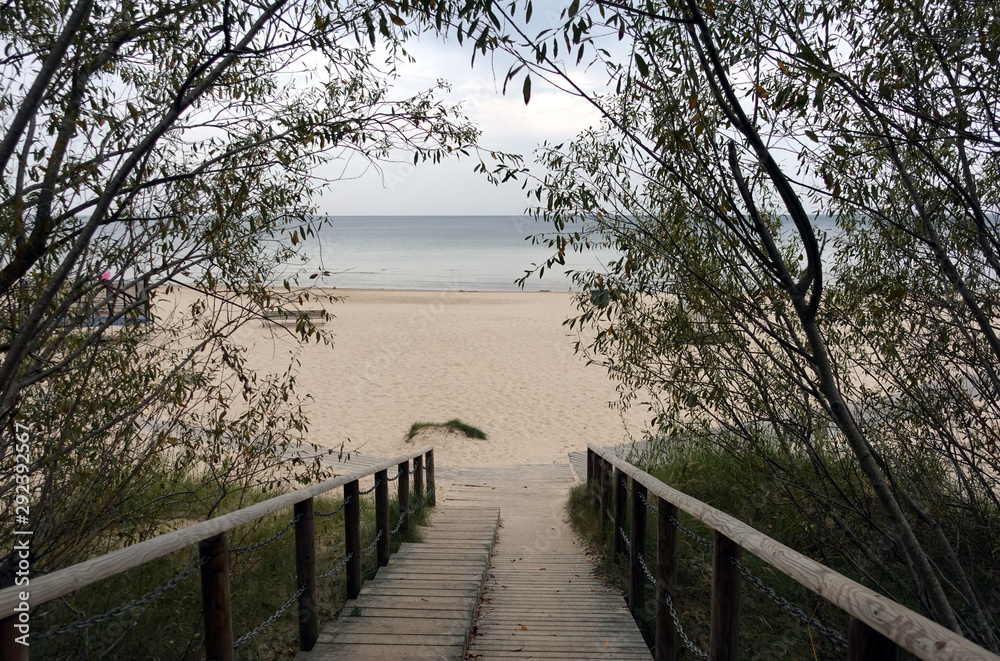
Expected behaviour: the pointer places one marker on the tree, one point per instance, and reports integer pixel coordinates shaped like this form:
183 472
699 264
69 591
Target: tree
871 349
152 145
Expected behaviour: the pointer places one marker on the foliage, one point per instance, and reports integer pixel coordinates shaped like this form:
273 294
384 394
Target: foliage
804 195
457 425
158 162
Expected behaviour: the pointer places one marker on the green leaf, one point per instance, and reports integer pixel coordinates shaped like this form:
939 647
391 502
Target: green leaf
527 89
641 65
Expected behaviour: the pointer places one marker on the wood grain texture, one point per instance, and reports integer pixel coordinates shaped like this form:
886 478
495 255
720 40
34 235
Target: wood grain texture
305 573
724 641
215 602
65 581
911 631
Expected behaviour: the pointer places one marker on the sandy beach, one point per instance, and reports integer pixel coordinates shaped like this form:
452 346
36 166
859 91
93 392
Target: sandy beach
501 361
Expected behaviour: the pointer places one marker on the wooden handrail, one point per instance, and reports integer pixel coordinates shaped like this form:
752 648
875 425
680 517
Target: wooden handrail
907 629
59 583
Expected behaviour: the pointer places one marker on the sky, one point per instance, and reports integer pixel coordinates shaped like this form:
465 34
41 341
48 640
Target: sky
507 124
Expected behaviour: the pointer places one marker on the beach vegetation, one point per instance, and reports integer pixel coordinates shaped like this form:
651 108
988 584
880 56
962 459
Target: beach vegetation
804 197
456 425
160 161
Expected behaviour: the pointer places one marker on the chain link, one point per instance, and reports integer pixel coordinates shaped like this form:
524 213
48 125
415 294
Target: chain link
690 533
628 542
271 620
258 545
333 571
652 509
374 486
393 479
835 636
832 634
399 524
673 613
120 610
336 511
368 549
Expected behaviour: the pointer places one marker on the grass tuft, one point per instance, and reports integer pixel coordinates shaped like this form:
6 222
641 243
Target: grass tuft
456 424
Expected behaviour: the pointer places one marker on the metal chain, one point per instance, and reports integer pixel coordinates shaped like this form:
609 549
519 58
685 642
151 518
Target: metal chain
393 479
336 511
120 610
335 569
835 636
399 524
690 533
273 538
374 486
628 542
368 549
652 509
673 613
271 620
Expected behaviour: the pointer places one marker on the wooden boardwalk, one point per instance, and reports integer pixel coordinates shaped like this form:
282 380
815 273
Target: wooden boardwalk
421 605
540 599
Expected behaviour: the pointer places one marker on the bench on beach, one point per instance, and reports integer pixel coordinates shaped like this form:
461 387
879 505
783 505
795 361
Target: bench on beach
316 315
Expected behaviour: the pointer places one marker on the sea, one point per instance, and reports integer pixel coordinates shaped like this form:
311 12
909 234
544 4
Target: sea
469 253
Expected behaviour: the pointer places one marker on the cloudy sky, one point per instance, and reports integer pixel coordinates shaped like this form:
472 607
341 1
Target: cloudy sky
451 187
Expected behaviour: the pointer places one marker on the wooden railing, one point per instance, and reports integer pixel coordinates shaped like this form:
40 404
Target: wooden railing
879 626
210 536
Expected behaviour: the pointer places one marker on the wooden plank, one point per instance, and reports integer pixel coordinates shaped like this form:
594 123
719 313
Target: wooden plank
911 631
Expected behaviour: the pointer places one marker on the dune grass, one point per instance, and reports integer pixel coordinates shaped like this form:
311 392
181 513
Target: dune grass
455 424
766 631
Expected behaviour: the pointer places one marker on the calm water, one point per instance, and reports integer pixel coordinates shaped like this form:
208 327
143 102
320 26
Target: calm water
472 253
481 253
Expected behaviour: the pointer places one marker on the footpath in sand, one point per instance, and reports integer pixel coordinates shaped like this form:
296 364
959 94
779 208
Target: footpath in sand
541 600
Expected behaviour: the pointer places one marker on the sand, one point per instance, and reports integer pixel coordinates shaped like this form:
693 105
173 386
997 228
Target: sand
501 361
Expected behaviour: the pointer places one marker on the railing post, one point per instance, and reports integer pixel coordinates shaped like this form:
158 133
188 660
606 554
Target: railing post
724 642
620 510
215 603
605 492
590 470
637 578
429 467
418 478
382 516
305 569
9 647
666 580
352 537
403 495
595 475
866 644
